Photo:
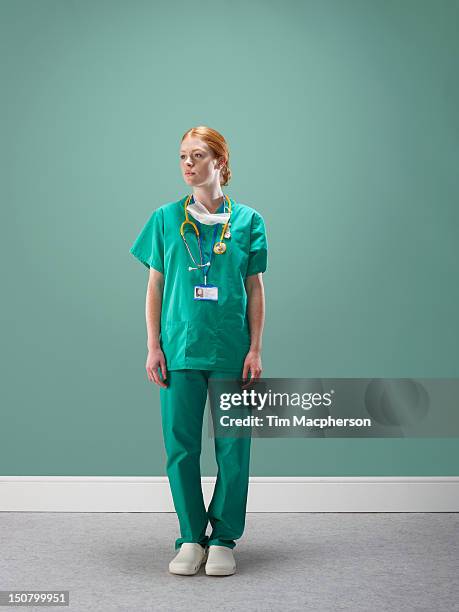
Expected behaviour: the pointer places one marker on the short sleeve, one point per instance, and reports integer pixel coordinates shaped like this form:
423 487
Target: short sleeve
148 247
258 256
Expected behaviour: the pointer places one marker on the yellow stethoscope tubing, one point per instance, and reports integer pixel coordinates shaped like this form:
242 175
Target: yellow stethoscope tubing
187 220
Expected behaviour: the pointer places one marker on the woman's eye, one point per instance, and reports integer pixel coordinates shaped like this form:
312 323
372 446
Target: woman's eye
198 155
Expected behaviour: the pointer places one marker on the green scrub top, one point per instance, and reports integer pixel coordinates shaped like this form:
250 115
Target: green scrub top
195 334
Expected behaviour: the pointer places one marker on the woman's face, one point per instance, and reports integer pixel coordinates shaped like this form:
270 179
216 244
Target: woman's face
197 162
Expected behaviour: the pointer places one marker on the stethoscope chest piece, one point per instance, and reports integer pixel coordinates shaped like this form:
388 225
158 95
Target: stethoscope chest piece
219 248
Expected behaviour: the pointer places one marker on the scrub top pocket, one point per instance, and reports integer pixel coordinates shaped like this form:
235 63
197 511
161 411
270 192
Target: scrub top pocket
201 343
174 339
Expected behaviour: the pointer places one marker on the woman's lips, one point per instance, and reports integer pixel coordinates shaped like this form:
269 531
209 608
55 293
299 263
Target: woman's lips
189 173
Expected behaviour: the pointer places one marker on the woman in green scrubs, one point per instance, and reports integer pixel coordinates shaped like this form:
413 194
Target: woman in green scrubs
205 314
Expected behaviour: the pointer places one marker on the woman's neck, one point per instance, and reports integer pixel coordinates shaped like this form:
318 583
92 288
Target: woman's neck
211 198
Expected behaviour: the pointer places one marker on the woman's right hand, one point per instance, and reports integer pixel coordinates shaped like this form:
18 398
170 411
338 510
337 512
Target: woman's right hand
155 360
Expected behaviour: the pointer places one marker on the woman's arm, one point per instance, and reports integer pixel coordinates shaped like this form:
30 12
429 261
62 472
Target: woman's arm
153 308
256 316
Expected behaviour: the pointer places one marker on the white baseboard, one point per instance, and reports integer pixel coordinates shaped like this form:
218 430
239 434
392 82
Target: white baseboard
266 494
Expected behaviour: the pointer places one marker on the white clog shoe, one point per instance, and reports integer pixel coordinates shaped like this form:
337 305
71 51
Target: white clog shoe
188 560
220 561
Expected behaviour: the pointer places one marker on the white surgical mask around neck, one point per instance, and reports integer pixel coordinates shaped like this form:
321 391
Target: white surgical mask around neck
200 212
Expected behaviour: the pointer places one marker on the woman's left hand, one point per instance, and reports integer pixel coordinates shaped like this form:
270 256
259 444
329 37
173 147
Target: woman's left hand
252 363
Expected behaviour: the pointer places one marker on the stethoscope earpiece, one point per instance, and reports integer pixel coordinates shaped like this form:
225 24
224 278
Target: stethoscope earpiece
199 266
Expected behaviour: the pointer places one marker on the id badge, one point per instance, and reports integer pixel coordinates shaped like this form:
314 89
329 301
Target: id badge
206 292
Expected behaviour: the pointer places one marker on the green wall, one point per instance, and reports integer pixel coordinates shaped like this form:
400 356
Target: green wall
343 127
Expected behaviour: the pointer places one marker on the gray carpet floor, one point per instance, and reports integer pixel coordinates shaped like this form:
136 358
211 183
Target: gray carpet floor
300 561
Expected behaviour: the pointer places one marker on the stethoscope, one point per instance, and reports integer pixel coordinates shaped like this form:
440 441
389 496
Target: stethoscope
219 247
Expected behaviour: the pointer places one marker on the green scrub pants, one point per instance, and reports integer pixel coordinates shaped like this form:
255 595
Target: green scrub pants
182 409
